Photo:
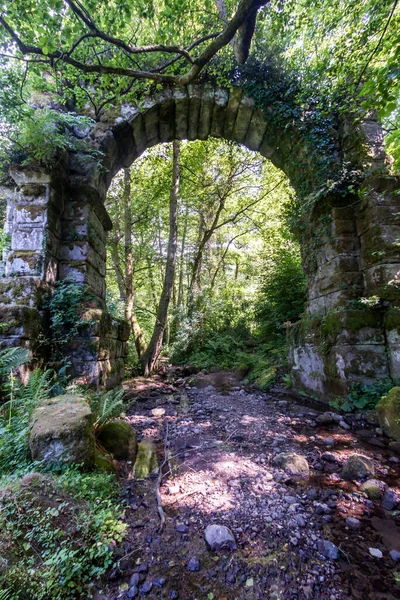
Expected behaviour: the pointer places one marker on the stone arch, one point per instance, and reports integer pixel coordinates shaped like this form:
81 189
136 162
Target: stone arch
58 224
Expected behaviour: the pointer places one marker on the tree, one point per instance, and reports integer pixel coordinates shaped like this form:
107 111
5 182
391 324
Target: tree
152 353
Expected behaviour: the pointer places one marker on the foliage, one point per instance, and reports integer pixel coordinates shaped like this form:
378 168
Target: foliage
60 543
10 360
363 397
106 406
66 305
282 292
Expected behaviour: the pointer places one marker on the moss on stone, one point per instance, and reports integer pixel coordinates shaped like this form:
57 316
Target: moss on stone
146 460
104 462
118 438
388 410
392 320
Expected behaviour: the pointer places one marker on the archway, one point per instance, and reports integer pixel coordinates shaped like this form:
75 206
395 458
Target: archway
58 223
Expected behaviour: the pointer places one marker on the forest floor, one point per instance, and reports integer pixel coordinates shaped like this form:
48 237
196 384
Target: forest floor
221 439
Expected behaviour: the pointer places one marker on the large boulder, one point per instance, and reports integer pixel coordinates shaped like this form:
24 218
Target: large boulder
294 464
118 438
357 467
62 432
388 410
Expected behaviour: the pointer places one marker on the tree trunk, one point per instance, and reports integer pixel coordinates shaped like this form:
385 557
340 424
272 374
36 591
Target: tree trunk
150 357
140 343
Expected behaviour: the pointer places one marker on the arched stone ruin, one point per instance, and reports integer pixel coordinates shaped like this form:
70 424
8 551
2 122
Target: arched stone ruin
58 224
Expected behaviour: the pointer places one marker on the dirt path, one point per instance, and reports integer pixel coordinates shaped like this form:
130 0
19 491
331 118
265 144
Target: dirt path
222 440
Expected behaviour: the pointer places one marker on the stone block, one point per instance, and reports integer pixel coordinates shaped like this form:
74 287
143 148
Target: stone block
21 321
380 244
219 112
181 113
383 281
206 111
139 133
30 215
195 94
62 432
166 116
256 131
245 112
23 291
127 151
28 238
235 97
150 116
24 262
308 370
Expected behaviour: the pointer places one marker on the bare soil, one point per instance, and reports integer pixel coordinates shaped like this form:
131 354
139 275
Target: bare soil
221 440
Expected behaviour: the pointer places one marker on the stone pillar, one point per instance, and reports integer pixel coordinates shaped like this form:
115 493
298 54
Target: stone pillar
29 267
98 353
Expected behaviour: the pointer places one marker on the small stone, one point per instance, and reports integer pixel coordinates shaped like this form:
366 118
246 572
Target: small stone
158 412
249 582
173 595
159 581
133 592
143 569
394 555
181 528
329 441
344 425
134 579
328 549
219 536
146 587
353 523
375 552
193 564
389 500
324 419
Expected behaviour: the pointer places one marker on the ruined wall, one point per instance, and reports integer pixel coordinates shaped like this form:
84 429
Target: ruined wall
350 247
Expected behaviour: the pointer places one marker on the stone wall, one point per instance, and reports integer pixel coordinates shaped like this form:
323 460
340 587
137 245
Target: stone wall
350 246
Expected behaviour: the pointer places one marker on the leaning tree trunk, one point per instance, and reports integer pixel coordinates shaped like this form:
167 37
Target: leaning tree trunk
150 357
140 343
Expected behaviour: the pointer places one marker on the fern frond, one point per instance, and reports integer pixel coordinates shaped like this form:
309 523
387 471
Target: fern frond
106 407
12 358
5 594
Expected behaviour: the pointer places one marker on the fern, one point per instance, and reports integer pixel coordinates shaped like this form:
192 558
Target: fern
106 407
5 594
11 359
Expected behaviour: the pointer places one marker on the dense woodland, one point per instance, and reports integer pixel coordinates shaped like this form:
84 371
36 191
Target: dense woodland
203 259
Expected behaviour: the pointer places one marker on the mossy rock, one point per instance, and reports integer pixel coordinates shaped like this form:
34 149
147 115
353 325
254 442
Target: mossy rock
388 409
118 438
357 467
374 488
146 460
62 432
104 463
294 464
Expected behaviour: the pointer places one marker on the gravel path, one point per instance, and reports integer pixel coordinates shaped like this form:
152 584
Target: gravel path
295 537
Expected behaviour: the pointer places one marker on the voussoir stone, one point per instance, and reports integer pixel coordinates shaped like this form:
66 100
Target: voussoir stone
62 432
292 463
357 467
219 536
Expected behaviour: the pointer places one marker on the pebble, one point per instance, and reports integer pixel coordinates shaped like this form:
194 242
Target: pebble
353 523
394 555
344 425
134 579
173 595
375 552
133 592
146 587
181 528
193 564
389 500
328 549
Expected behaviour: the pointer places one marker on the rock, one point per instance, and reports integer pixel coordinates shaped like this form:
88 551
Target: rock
173 595
324 419
292 463
357 467
328 549
394 555
193 564
388 411
390 499
219 536
133 591
329 457
158 412
119 439
146 587
159 581
353 523
375 552
134 580
329 441
344 425
104 462
373 488
146 460
62 432
181 528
